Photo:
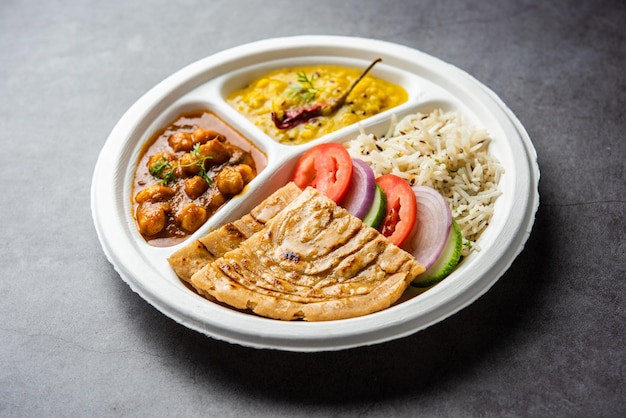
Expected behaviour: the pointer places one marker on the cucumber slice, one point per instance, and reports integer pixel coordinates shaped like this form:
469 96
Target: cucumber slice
446 262
376 214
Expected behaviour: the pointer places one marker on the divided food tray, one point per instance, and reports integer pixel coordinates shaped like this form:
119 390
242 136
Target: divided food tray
431 84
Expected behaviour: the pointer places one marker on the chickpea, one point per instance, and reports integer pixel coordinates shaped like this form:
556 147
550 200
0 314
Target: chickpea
216 150
189 164
191 217
217 199
195 186
230 181
181 141
157 161
202 136
151 219
246 171
154 193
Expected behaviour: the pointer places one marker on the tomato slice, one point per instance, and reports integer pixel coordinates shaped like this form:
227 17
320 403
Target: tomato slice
327 167
401 212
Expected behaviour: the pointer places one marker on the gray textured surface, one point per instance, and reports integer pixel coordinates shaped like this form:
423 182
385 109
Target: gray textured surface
548 339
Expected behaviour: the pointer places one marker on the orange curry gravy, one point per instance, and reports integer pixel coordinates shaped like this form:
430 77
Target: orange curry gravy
186 172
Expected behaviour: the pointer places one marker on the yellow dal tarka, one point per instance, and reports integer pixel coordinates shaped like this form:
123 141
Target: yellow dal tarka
274 92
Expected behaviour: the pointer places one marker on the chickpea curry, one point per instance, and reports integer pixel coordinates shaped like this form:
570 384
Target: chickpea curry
186 172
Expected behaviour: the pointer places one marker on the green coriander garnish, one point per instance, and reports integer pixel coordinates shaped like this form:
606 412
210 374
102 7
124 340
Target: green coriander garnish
305 90
200 162
165 171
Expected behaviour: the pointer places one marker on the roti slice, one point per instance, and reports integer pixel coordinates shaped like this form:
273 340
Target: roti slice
312 261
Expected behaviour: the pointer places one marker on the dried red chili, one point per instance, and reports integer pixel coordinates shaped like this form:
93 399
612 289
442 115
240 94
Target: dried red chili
296 116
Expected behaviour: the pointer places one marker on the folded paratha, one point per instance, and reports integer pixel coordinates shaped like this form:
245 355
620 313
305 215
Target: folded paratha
312 261
201 252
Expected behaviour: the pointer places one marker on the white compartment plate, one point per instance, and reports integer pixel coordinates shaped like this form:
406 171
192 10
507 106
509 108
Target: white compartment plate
430 82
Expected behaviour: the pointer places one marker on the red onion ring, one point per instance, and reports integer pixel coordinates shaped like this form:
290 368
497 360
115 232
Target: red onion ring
360 196
432 226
